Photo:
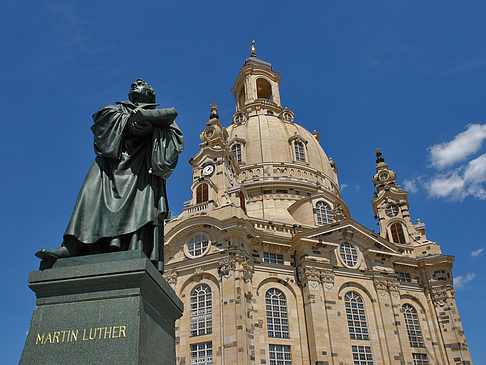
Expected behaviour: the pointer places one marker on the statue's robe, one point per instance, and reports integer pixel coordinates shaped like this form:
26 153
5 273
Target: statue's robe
125 187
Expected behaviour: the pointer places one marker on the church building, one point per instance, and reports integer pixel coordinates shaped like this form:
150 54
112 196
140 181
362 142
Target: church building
273 270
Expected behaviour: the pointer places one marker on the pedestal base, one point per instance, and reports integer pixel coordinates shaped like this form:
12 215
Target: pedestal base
102 309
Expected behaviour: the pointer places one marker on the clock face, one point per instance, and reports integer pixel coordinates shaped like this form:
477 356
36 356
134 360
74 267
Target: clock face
208 170
383 176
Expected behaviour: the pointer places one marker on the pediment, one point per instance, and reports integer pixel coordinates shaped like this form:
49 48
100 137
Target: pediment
349 230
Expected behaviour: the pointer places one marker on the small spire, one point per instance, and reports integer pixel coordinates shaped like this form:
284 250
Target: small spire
214 111
253 51
379 158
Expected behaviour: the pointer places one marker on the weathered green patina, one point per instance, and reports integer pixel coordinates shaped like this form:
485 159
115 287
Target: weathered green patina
123 200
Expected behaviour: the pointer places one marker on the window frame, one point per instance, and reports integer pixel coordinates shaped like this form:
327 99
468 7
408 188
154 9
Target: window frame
276 314
396 223
366 350
420 359
276 349
344 260
201 311
322 215
237 151
202 196
207 349
415 336
188 251
356 314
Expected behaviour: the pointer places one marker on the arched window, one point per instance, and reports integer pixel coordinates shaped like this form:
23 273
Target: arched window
264 89
236 149
277 318
413 326
241 96
201 310
323 213
355 315
202 193
396 230
299 151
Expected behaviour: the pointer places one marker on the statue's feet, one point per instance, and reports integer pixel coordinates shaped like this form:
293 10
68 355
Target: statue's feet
54 254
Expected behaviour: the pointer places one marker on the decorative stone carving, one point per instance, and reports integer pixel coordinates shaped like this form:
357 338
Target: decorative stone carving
309 275
170 276
383 285
439 295
338 213
327 278
236 260
380 285
226 266
394 287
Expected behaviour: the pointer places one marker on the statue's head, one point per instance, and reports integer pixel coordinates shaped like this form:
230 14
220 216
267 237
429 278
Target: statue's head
141 92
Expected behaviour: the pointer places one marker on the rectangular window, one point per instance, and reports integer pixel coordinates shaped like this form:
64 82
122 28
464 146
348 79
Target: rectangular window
273 258
202 353
362 355
299 151
237 153
279 355
404 277
420 359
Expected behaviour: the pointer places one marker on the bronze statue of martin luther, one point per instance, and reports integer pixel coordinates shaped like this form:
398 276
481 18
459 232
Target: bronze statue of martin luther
123 202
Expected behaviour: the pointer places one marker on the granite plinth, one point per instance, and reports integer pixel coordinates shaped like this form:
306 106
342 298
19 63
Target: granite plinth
110 308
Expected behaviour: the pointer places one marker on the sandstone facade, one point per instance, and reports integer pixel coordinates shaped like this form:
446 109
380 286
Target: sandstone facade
271 267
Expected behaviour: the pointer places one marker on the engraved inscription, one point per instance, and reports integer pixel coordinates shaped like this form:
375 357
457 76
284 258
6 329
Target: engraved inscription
86 334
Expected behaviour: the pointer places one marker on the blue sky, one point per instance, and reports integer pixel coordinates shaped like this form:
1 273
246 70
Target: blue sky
408 77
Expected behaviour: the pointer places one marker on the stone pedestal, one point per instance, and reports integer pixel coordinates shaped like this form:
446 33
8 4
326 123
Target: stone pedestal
102 309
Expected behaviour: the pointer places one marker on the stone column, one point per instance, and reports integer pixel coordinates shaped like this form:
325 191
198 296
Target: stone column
315 309
450 324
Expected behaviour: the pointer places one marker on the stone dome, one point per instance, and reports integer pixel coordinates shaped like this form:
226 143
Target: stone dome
269 140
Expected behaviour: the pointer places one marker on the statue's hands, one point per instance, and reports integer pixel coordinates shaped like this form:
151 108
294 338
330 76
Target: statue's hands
141 128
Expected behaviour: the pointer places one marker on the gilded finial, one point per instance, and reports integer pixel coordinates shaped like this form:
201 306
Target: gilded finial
379 158
253 51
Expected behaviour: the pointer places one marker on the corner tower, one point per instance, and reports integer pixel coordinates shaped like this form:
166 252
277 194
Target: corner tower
391 208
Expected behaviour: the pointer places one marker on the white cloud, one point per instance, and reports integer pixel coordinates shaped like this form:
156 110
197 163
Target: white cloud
477 252
464 181
461 280
463 145
410 185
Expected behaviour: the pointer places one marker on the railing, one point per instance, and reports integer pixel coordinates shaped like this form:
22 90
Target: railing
200 208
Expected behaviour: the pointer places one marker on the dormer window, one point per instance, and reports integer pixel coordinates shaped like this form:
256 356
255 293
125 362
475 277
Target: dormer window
202 193
297 144
323 213
299 151
287 116
238 118
236 149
